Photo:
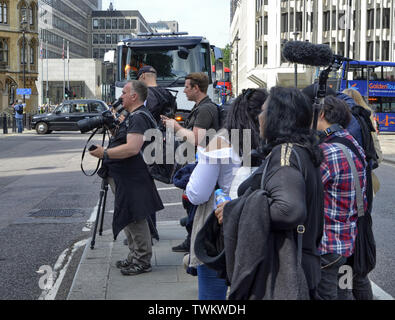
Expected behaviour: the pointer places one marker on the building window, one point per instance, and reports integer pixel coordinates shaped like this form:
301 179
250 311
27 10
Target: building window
121 23
108 38
284 22
95 23
31 16
386 51
23 13
127 24
386 18
327 21
95 38
370 19
32 54
108 23
114 38
369 50
23 53
102 38
3 13
114 24
133 24
3 51
95 53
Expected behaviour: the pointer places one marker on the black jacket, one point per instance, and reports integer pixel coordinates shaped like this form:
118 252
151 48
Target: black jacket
261 262
294 198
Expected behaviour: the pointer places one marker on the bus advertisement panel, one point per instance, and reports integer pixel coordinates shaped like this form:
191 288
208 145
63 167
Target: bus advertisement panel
376 88
386 122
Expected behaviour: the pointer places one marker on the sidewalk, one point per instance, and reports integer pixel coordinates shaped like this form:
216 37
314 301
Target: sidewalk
387 143
97 277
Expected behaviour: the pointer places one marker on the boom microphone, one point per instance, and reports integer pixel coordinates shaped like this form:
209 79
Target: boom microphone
303 52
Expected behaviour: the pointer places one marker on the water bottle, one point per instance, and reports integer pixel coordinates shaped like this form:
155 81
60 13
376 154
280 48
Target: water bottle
220 196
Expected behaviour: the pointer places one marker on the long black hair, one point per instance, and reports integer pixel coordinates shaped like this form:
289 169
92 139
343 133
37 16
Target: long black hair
288 118
243 114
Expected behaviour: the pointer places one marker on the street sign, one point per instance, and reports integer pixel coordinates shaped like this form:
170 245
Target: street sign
23 91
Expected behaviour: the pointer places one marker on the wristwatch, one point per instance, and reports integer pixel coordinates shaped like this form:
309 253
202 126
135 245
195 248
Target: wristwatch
105 154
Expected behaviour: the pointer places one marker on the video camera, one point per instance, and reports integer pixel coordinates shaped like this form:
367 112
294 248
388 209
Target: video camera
106 120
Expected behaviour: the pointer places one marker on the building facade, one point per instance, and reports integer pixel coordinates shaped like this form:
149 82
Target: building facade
111 26
19 45
66 20
259 29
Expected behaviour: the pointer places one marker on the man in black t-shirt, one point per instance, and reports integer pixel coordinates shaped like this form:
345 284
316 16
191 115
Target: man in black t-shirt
203 117
136 196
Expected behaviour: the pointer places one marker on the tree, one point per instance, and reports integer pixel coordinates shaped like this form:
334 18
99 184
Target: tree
226 55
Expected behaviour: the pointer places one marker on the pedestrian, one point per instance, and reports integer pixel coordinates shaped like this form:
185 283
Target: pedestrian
340 202
203 117
159 100
215 169
136 196
266 263
18 108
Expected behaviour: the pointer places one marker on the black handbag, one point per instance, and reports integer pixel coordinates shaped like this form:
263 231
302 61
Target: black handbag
364 258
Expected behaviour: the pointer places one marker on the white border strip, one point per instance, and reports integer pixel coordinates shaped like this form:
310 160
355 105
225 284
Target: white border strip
380 294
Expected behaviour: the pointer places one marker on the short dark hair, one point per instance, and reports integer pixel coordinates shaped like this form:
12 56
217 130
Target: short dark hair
140 88
199 79
336 111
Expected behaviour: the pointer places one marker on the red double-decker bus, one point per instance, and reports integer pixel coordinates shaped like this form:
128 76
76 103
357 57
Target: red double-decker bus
226 81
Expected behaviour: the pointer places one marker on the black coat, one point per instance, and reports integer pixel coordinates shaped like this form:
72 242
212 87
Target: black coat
261 263
288 196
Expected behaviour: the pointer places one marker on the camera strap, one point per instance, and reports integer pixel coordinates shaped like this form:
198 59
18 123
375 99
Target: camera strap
83 152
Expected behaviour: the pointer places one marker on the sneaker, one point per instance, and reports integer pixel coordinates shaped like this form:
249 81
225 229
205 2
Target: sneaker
136 269
123 264
183 247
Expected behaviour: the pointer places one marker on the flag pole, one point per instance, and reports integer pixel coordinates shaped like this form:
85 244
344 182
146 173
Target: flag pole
68 65
64 72
46 56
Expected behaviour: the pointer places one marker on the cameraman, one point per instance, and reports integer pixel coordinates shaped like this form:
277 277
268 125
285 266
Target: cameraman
136 197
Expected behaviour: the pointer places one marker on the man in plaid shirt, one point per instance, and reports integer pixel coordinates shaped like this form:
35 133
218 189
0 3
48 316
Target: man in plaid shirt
340 205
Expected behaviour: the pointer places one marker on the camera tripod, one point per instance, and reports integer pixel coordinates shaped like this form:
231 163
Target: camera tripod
100 211
100 215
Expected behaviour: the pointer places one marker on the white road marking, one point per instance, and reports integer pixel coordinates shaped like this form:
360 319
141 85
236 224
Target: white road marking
379 293
59 272
168 188
90 222
172 204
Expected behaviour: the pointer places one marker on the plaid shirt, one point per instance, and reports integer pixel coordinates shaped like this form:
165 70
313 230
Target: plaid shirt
340 205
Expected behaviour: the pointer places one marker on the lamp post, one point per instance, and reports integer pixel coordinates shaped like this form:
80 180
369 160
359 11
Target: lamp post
23 25
296 65
237 39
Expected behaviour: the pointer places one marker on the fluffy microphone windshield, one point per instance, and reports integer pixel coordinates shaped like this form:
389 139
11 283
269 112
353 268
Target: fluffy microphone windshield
304 52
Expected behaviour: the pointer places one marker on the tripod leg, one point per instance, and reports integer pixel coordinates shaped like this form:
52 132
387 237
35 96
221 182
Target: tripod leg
97 216
103 208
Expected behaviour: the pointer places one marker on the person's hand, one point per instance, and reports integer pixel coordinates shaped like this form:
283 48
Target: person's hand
220 210
98 152
170 123
121 118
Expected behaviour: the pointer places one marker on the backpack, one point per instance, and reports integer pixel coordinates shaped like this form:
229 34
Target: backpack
19 110
162 172
363 117
167 101
361 129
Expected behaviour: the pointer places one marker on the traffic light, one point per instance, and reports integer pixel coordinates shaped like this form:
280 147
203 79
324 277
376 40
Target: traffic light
67 93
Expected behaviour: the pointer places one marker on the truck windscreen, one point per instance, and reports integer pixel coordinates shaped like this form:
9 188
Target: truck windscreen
170 63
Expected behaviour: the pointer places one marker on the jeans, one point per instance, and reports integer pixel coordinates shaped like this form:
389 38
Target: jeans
19 124
328 286
210 286
361 289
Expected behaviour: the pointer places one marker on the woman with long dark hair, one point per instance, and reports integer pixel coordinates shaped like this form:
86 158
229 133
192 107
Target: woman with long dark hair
293 183
216 169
